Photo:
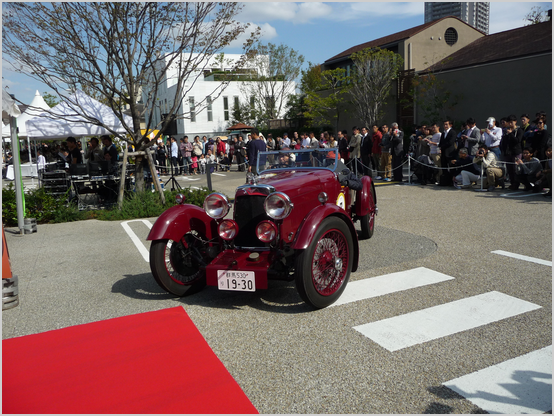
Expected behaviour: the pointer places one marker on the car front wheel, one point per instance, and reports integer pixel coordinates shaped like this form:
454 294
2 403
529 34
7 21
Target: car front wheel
176 267
323 268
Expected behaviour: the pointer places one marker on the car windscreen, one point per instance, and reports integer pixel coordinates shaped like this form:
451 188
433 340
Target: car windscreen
321 158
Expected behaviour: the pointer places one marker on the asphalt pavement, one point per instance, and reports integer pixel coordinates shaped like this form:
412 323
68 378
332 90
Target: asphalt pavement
290 359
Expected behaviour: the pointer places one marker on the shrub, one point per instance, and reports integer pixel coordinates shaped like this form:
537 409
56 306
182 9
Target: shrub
47 208
40 205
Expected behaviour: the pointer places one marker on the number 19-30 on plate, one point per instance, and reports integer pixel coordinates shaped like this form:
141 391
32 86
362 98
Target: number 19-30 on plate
236 280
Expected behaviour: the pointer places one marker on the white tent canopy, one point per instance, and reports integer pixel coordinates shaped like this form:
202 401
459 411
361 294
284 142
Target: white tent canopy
47 126
37 106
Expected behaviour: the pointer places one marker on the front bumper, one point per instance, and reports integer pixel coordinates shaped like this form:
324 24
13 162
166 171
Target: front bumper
241 260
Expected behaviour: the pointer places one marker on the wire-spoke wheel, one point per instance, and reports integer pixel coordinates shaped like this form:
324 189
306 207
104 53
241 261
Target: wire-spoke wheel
176 266
323 269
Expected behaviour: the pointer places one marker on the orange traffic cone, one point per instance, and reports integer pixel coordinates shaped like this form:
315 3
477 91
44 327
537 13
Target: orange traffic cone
10 285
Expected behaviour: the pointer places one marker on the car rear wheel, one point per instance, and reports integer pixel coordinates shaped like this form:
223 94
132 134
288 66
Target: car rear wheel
323 268
176 267
368 221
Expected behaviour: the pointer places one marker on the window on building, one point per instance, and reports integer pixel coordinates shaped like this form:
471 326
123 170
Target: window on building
192 109
226 108
209 108
236 99
451 36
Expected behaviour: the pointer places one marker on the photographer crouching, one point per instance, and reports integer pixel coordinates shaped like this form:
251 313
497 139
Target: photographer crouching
491 169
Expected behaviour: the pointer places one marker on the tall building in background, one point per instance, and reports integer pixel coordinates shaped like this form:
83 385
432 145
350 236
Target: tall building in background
475 14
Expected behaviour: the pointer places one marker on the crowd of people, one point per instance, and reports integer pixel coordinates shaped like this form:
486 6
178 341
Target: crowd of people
514 151
70 152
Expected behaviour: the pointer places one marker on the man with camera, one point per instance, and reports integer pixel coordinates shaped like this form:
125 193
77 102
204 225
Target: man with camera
491 169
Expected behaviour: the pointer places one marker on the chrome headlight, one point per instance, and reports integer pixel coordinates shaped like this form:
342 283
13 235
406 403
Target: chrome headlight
180 199
266 231
278 206
216 205
228 229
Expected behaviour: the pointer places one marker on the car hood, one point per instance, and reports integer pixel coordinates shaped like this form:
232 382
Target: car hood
294 182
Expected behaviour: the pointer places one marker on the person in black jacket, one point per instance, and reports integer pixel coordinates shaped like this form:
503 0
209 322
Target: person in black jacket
397 151
447 144
365 150
510 146
541 139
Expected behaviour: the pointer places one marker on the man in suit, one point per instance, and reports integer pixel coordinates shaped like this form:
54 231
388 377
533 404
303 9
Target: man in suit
397 150
471 137
354 148
448 149
365 150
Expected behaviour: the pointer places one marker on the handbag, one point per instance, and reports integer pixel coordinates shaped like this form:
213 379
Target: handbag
197 151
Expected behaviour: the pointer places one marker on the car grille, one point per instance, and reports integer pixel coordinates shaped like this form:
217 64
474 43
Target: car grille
249 212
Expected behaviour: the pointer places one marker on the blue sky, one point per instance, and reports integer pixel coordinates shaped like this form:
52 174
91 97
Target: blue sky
320 30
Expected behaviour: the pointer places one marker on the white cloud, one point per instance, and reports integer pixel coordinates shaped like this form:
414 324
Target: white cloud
286 11
268 32
312 11
390 9
266 12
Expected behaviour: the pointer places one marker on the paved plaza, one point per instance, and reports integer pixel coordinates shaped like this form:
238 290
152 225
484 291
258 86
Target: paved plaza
450 310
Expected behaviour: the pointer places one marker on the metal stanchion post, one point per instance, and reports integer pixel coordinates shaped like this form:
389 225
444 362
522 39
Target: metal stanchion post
209 175
482 171
409 170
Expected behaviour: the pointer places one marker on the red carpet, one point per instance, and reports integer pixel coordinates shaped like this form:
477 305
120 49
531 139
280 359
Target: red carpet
155 362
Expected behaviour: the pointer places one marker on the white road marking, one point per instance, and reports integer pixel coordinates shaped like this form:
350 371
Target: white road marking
190 179
517 386
218 174
522 194
140 246
522 257
443 320
390 283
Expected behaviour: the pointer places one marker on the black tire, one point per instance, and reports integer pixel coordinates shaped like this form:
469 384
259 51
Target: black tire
176 268
329 255
367 222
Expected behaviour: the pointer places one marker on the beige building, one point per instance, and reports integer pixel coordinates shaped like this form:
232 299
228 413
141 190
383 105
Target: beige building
501 74
489 75
419 47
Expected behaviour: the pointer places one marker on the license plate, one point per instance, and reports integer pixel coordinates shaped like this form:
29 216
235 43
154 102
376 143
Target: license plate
236 280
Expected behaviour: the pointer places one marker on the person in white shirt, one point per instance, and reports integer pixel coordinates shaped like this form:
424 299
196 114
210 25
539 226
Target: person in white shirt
492 136
174 153
286 140
305 141
41 161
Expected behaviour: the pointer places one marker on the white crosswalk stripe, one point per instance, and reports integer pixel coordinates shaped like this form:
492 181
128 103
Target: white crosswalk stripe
521 257
440 321
390 283
520 385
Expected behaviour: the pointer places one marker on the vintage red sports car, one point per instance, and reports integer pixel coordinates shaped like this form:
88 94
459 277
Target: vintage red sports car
294 220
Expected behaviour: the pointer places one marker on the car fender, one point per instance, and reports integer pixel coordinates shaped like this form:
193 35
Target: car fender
363 204
180 219
312 221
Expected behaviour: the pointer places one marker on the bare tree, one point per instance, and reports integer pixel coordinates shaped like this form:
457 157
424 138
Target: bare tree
536 15
113 51
372 79
277 67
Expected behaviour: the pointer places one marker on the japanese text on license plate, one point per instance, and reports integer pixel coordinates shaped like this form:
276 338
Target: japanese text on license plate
236 280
